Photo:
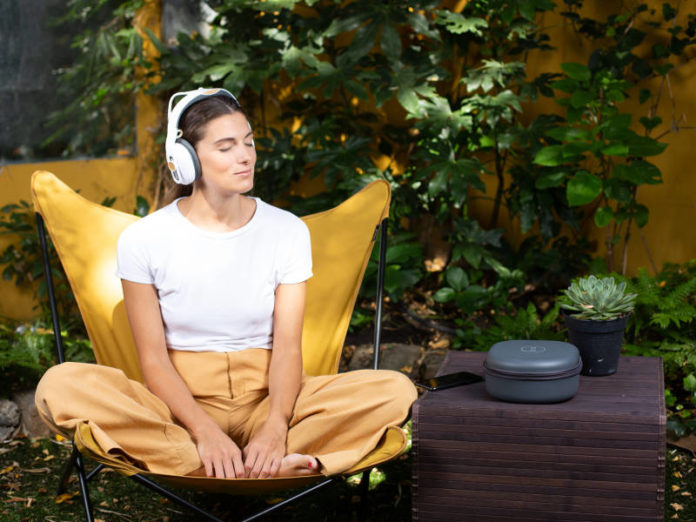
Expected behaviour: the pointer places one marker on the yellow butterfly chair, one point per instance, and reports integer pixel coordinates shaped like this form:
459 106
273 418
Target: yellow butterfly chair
85 236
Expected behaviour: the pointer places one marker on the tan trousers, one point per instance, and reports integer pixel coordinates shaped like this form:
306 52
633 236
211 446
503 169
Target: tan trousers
337 418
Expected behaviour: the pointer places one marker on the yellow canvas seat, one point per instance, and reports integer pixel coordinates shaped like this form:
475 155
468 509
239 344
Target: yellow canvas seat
85 235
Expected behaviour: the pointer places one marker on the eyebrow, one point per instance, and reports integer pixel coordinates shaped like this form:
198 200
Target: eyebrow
216 142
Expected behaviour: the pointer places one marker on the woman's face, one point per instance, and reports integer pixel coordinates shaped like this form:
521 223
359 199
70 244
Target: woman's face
227 154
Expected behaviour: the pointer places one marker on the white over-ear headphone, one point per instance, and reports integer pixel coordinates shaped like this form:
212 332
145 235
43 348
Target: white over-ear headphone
181 156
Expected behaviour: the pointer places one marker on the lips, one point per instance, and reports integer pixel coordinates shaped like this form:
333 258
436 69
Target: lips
243 173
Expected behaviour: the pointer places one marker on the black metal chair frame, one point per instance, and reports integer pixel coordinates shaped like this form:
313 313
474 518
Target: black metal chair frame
76 460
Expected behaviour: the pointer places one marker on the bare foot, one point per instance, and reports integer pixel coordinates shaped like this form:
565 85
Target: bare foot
295 464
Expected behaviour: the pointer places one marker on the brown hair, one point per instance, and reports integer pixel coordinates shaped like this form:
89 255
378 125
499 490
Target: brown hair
192 124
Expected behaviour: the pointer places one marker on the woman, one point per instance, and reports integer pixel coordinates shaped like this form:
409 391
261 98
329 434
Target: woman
214 289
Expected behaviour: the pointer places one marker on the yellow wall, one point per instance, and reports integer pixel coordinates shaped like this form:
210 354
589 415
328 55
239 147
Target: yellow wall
672 204
96 179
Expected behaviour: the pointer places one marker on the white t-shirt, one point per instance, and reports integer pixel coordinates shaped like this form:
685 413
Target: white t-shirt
216 290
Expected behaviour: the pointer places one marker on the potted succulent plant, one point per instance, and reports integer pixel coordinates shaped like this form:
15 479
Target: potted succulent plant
596 311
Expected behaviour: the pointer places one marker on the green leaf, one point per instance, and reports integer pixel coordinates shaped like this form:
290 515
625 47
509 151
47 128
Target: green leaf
580 98
343 25
456 277
615 127
603 216
408 99
663 69
615 149
574 115
362 43
550 156
645 146
161 48
583 188
551 179
472 253
618 189
639 172
576 71
527 9
566 85
690 382
642 214
569 134
391 41
438 184
457 23
217 72
356 89
142 207
444 295
487 141
467 300
402 253
650 123
615 95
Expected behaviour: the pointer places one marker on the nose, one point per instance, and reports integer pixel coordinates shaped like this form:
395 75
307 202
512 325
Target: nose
245 154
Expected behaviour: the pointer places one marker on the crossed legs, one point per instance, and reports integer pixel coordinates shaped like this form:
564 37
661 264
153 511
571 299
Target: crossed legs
337 420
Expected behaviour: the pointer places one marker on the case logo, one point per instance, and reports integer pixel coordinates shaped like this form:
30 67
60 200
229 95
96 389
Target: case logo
531 348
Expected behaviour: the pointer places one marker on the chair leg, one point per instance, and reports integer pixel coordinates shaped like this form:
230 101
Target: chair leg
94 471
279 505
185 503
173 496
364 487
79 466
65 474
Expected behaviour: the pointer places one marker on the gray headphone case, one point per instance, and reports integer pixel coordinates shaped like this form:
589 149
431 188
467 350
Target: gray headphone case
532 371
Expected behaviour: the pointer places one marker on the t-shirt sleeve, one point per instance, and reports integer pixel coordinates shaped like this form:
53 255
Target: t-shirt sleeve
131 257
297 266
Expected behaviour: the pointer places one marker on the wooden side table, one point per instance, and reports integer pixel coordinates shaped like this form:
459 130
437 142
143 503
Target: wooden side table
597 457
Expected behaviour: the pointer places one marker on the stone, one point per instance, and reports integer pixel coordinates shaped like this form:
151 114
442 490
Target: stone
431 363
31 424
399 357
6 432
9 414
361 358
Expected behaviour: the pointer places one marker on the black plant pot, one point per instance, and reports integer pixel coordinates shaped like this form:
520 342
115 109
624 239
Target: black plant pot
599 343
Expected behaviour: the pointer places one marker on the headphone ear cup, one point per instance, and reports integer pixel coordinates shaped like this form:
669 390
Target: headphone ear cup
186 161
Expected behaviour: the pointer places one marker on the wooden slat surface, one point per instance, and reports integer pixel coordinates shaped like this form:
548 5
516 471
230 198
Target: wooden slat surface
598 456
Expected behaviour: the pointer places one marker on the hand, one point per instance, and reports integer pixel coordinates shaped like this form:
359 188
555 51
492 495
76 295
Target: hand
221 457
265 451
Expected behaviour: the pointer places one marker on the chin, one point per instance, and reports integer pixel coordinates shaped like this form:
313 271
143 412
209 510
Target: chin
239 186
249 186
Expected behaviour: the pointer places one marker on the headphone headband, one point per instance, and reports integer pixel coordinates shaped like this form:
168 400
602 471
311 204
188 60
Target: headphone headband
181 156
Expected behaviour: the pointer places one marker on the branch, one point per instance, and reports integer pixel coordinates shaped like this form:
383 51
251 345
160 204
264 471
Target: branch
648 252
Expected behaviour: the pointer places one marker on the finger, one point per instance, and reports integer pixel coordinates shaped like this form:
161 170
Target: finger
250 461
268 465
259 466
229 468
238 465
254 466
208 467
275 467
219 468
